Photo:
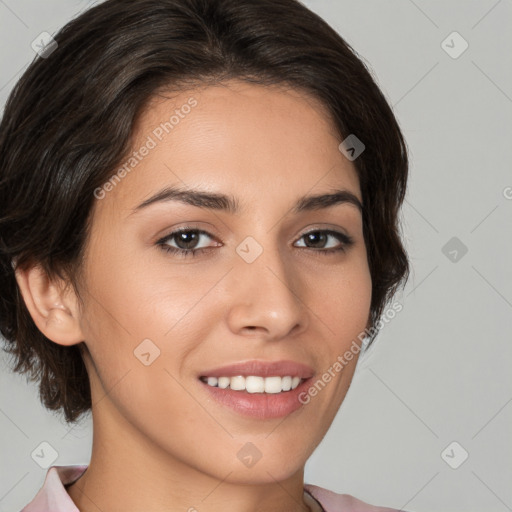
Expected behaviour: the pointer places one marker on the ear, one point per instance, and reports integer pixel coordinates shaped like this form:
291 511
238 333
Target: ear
52 306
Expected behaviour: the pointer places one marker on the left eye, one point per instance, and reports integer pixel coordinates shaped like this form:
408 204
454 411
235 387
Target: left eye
321 236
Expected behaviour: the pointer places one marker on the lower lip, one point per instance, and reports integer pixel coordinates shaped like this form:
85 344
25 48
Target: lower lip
259 405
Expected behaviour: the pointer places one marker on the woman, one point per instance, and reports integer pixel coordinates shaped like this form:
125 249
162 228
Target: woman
198 230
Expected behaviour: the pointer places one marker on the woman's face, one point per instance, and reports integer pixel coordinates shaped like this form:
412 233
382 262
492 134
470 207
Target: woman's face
274 279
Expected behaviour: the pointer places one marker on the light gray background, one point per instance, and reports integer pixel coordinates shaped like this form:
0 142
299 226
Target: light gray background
438 372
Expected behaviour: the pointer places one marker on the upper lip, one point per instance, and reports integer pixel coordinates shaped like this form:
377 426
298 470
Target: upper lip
262 369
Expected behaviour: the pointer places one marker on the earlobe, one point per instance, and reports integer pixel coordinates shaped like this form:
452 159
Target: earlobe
52 306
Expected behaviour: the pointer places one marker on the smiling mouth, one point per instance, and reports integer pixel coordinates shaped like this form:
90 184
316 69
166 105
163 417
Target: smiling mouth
255 383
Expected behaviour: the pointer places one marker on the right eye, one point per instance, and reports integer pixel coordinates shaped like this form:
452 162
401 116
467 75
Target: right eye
186 241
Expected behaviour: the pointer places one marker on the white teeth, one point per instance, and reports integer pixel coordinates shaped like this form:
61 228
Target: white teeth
273 384
237 383
254 383
286 383
223 382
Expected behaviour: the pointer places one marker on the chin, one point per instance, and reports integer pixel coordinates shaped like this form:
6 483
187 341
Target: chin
261 474
275 464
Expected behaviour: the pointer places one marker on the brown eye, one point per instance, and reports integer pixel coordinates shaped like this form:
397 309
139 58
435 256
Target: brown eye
186 239
185 242
323 241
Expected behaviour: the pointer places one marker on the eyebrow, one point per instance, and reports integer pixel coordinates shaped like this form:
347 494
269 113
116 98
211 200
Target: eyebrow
228 203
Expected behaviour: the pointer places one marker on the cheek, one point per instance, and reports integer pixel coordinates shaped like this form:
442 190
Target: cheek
344 300
150 310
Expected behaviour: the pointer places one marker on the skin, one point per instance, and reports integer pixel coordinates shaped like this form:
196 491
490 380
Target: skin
160 442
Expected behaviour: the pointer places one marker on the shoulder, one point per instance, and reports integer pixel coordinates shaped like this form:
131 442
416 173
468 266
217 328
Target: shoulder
53 497
334 502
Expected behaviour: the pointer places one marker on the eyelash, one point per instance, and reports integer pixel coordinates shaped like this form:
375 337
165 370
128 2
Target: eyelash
346 242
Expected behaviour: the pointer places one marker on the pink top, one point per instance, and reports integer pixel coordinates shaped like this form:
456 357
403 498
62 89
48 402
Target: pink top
53 497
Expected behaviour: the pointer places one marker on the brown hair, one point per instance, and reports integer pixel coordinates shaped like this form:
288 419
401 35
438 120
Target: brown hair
70 119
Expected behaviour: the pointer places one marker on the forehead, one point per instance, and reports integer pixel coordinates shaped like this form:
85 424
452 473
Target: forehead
237 138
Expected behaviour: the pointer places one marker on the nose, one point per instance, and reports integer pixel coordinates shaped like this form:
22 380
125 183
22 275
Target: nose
266 301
